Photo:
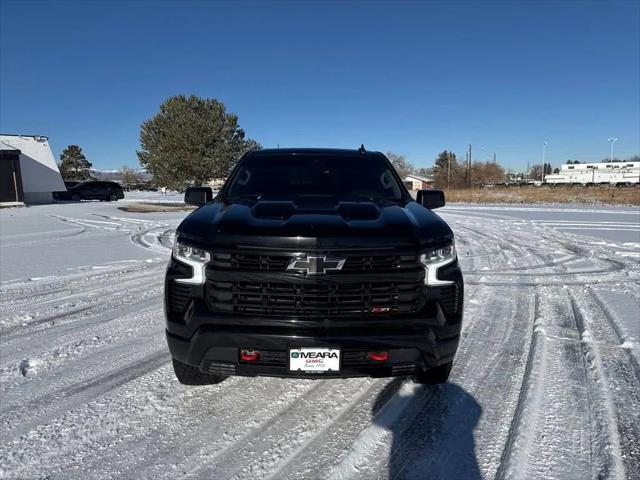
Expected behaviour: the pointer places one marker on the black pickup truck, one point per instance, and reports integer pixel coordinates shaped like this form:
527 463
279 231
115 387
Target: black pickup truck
313 263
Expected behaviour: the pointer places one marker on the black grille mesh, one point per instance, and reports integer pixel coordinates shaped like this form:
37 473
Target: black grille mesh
179 297
315 299
279 262
450 299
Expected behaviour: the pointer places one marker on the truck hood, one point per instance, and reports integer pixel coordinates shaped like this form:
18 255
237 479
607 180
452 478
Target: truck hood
287 224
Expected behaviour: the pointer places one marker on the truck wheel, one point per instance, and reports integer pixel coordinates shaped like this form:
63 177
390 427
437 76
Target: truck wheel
112 198
434 376
188 375
75 197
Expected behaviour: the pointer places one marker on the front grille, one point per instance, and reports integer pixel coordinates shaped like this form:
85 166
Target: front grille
257 262
179 297
220 368
403 369
250 262
314 299
381 263
450 299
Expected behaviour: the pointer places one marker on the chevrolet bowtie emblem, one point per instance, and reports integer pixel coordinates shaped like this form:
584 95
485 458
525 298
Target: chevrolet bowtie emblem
316 265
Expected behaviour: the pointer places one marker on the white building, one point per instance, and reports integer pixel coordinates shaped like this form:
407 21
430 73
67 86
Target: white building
616 173
417 182
28 171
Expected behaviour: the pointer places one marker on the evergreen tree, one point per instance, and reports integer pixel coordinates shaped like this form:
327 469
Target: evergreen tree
447 171
191 140
73 164
443 159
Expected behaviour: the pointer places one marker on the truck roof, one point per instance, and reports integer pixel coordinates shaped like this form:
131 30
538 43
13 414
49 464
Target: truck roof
311 151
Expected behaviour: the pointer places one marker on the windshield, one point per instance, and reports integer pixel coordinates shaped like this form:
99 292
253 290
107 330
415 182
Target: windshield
315 175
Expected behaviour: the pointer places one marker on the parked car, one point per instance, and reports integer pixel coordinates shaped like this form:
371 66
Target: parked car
92 190
71 183
313 263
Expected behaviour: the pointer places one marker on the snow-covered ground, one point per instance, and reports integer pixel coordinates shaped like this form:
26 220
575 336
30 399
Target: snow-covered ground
546 383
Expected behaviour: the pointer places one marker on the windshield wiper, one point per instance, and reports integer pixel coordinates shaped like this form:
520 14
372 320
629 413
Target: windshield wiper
379 200
246 196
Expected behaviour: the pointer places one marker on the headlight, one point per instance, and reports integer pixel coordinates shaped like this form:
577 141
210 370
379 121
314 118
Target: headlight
196 258
186 252
434 259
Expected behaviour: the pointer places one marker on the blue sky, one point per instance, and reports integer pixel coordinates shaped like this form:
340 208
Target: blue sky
414 78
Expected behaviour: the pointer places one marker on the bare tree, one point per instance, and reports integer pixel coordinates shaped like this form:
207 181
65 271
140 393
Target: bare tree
536 172
400 163
130 176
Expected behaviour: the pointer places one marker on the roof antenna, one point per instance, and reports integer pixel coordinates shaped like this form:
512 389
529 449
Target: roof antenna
362 150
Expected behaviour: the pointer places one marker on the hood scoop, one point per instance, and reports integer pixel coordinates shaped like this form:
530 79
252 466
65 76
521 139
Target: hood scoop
283 210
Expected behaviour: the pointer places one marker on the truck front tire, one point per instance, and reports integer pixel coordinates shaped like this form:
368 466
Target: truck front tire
189 375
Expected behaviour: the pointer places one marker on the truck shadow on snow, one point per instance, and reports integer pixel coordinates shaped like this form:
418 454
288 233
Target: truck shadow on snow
432 429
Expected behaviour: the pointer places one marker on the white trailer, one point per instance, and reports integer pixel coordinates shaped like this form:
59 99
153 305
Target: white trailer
616 173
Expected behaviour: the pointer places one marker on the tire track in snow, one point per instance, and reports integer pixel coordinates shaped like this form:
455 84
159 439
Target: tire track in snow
99 314
227 413
518 440
333 442
14 291
46 319
258 453
611 463
606 443
34 412
554 431
622 335
69 293
56 354
619 382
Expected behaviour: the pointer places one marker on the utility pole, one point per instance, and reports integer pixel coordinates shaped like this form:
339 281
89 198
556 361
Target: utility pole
466 168
448 170
469 168
612 141
544 151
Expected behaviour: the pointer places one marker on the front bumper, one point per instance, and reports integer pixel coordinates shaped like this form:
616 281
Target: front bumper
212 340
413 343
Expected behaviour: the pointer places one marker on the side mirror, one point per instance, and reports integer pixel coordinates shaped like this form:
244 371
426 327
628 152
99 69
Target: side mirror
430 198
198 195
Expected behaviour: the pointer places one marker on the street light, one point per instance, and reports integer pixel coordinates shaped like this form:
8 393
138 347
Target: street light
612 141
544 151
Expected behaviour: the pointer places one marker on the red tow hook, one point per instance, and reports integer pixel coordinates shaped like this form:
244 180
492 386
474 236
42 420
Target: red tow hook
379 356
249 355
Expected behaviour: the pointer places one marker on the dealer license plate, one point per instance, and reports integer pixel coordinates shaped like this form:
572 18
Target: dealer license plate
314 359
